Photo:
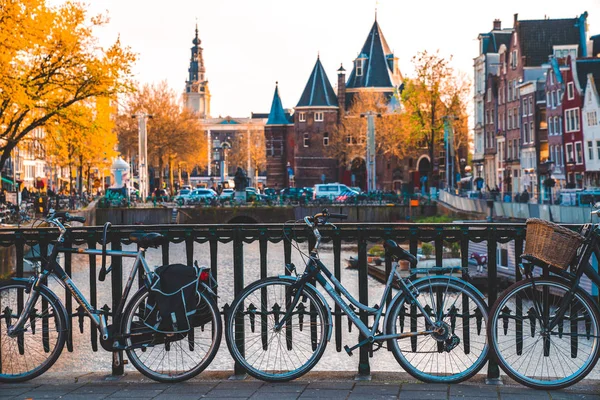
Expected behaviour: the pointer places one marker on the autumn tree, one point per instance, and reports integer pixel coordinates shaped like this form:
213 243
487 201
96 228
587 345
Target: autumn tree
427 100
249 144
50 62
175 134
82 137
349 139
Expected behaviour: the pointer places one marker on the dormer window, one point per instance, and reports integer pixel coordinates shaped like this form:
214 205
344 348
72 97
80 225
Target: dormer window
302 117
359 66
318 116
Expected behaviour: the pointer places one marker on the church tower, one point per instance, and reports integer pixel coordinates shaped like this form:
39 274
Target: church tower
197 96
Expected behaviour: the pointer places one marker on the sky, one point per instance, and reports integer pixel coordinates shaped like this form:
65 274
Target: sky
251 44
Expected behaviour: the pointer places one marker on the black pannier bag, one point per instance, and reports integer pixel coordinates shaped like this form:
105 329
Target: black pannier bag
173 298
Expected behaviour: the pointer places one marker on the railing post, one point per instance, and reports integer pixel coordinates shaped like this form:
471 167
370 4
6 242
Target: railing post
238 286
493 372
117 293
364 368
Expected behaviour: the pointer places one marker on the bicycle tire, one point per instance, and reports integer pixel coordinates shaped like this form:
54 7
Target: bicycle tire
311 316
425 357
173 362
500 322
42 342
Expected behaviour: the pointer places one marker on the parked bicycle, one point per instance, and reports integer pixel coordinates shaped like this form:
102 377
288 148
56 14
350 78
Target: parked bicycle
34 323
545 330
278 327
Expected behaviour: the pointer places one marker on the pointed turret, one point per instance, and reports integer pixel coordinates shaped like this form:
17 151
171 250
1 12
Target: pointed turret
277 116
376 65
318 92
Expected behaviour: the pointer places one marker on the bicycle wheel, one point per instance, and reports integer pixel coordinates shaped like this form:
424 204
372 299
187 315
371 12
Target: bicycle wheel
531 354
39 345
270 355
459 349
174 357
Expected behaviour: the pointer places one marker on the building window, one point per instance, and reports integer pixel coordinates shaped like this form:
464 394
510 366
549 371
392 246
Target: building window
525 106
302 117
525 133
598 148
590 149
550 126
489 95
560 129
326 139
531 106
572 119
579 152
570 91
510 119
554 99
306 140
558 97
318 116
569 150
359 67
592 118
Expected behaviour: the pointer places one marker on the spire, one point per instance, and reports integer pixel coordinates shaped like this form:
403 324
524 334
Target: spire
376 63
196 40
196 70
277 115
318 92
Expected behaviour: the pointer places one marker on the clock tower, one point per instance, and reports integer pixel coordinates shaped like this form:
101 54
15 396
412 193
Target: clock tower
197 96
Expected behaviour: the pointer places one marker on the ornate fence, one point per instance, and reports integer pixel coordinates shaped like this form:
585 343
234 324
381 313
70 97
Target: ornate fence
441 235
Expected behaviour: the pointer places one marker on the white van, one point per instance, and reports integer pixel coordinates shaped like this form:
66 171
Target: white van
330 191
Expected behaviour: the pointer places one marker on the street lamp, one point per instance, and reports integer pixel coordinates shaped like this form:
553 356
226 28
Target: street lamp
224 147
143 153
371 153
449 142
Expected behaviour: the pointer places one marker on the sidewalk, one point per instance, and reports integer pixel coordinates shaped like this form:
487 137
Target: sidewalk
316 385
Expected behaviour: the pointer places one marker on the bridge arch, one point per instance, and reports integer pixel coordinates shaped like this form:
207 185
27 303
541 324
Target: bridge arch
243 219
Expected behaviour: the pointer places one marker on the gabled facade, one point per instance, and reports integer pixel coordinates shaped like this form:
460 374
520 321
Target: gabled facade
486 66
555 89
573 134
591 132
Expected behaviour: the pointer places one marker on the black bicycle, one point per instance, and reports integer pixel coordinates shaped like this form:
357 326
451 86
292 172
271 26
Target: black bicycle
34 323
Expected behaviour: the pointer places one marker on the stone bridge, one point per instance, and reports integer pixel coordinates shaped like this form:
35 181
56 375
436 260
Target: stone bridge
252 215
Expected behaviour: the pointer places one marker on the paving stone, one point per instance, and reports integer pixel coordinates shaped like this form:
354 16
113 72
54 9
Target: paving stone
422 395
9 392
574 396
86 396
96 389
260 395
474 391
146 394
366 396
171 396
230 393
282 387
428 387
243 385
377 389
324 394
189 389
459 397
331 385
524 396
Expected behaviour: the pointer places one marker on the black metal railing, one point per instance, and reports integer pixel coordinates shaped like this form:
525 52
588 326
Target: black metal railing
441 235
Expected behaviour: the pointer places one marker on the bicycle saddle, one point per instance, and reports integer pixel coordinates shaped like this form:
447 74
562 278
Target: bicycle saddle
145 240
395 250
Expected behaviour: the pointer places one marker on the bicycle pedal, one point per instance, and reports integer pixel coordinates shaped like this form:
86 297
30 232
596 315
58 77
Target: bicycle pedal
348 350
451 343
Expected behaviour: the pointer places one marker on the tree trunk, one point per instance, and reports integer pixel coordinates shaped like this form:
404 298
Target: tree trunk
160 170
89 181
80 176
171 177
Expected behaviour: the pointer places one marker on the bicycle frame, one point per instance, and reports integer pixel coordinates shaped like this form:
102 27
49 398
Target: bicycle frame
315 268
97 317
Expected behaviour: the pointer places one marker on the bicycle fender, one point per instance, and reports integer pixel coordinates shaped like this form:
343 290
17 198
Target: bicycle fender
321 297
401 294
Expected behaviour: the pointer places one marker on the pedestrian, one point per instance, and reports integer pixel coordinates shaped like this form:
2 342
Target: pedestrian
525 196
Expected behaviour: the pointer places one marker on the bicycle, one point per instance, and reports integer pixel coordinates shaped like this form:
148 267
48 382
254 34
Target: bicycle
277 328
544 330
34 323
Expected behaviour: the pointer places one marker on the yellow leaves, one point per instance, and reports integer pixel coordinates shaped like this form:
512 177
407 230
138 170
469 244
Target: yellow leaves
49 62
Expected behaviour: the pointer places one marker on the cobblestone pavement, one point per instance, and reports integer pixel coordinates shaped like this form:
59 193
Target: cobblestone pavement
313 386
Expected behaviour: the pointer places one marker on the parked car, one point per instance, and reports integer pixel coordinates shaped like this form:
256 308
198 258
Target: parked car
296 194
330 191
348 196
253 195
201 195
182 196
227 194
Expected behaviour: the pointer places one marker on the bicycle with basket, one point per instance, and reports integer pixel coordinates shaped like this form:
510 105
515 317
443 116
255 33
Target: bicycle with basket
544 330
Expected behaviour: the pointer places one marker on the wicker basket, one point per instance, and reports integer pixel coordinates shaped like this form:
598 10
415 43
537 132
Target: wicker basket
551 243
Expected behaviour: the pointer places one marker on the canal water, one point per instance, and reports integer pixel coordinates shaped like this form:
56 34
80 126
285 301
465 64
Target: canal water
83 359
